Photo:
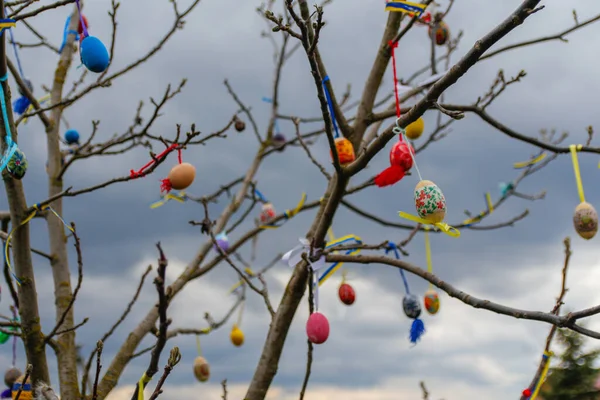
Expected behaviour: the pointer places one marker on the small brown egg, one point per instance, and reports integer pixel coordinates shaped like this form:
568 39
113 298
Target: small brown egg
585 220
182 176
201 369
430 202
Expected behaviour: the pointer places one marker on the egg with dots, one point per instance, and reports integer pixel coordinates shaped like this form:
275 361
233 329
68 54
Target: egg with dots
17 165
411 306
180 177
401 161
267 213
432 302
24 386
345 151
236 336
347 294
415 129
430 202
201 369
317 328
585 220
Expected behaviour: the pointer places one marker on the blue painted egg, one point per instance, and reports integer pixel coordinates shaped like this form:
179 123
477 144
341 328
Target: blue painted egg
94 54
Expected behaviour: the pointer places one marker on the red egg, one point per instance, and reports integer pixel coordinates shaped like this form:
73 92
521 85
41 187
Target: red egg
80 27
400 155
347 294
317 328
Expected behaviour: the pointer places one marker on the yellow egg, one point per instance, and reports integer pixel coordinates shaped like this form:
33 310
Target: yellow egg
585 220
430 202
415 129
201 369
236 336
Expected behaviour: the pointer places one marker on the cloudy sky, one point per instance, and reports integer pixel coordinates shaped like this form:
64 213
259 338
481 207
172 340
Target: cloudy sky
466 353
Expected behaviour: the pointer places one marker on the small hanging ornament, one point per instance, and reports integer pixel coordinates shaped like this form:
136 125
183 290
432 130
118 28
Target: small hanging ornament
72 137
430 202
279 141
585 218
401 160
222 242
239 125
431 300
92 51
410 302
17 165
24 386
267 212
346 292
442 33
317 328
181 176
415 129
82 22
201 366
345 150
236 336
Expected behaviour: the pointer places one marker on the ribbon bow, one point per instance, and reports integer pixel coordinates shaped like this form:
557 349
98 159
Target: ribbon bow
294 256
180 197
442 226
288 214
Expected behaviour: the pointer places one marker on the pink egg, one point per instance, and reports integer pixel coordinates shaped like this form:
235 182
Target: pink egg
317 328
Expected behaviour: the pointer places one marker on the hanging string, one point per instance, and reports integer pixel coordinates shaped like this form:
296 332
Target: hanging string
198 346
260 196
14 344
179 156
14 45
240 313
330 104
402 132
392 247
36 208
142 171
315 289
394 45
85 31
428 255
574 148
11 146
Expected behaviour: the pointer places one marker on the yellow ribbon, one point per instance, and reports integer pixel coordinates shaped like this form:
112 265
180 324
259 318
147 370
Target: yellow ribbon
180 197
574 148
144 380
250 274
519 165
428 254
336 266
288 213
29 109
490 204
538 386
36 208
490 209
442 226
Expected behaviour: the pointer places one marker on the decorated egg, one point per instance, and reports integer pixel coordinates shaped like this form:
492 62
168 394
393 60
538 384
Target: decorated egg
72 137
279 141
431 301
267 213
17 165
80 26
222 242
201 369
411 306
236 336
93 54
347 294
430 202
415 129
345 150
26 392
239 125
29 85
11 375
400 155
317 328
181 176
585 220
442 33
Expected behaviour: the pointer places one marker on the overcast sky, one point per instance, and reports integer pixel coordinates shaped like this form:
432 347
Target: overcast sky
466 353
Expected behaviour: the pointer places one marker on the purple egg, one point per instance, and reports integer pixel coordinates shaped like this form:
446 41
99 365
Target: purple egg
222 242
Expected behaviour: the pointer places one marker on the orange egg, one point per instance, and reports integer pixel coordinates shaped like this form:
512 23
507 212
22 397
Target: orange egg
181 176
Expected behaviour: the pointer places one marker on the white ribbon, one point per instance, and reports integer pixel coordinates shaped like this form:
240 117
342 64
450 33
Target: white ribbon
294 256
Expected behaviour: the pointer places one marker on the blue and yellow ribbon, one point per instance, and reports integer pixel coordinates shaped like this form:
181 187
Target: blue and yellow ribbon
36 208
442 226
7 23
29 109
538 385
251 274
180 197
490 209
288 214
348 239
524 164
144 380
406 7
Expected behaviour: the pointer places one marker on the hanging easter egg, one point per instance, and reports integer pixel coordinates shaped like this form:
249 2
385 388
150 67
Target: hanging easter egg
17 165
11 375
345 150
317 328
279 141
347 294
415 129
239 125
267 213
29 85
430 202
442 33
222 242
400 162
411 306
201 369
94 54
432 302
80 26
26 392
236 336
181 176
585 220
72 137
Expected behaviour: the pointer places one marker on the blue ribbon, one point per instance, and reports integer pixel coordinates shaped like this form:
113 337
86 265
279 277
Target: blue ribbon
330 104
392 247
